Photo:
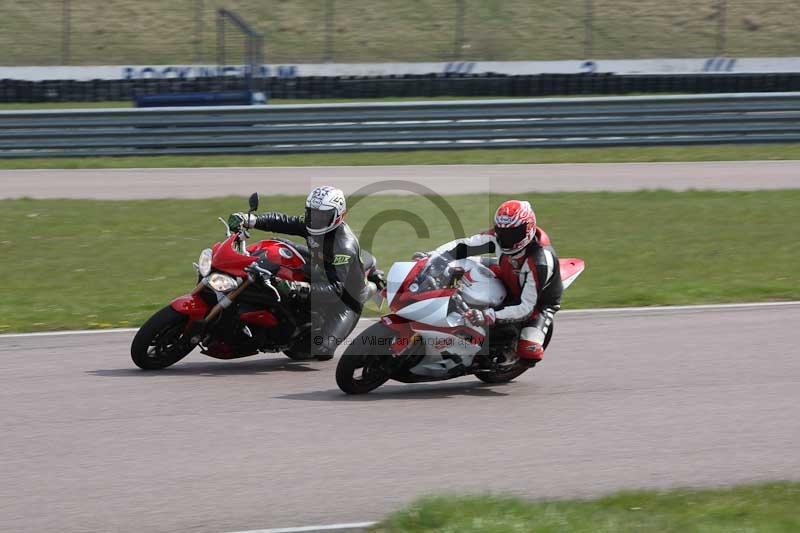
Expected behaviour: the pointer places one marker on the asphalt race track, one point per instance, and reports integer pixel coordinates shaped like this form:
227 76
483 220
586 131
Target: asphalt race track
108 184
624 399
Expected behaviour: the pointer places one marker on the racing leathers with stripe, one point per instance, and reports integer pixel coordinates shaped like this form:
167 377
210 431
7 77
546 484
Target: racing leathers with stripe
338 286
532 278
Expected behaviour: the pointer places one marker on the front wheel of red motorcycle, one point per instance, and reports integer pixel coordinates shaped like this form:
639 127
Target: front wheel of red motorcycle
160 342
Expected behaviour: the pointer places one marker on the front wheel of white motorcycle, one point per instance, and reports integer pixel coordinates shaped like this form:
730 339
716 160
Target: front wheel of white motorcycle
362 368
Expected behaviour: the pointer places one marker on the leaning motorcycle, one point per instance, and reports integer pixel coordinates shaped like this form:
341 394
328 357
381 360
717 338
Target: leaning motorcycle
235 310
425 337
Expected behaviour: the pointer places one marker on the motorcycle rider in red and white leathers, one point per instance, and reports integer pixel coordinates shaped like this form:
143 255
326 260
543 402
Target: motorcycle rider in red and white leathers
527 264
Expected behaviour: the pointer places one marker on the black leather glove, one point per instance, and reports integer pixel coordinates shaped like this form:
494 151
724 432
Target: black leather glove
378 277
261 269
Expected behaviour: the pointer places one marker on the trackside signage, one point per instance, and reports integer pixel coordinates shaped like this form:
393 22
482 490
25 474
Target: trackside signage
616 66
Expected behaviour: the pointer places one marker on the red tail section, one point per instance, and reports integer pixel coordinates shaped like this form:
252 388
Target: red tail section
571 268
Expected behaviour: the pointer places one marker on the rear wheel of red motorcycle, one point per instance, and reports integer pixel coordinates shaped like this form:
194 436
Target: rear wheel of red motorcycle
160 342
361 368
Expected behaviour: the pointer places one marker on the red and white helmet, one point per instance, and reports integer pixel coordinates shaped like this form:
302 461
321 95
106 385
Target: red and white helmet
325 210
514 225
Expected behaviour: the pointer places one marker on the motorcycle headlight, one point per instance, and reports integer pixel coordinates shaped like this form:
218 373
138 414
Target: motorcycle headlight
221 282
204 262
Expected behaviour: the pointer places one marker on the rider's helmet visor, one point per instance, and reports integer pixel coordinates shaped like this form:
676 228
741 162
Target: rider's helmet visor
319 219
509 238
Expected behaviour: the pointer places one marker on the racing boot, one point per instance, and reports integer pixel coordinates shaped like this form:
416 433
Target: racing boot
529 352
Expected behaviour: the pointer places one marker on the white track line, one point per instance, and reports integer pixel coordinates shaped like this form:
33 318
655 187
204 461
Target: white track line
675 308
68 332
312 529
363 525
576 312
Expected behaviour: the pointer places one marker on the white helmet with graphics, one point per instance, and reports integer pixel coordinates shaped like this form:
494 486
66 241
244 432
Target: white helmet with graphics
325 210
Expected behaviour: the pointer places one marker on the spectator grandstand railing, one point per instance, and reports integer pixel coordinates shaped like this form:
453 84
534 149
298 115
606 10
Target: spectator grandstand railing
615 121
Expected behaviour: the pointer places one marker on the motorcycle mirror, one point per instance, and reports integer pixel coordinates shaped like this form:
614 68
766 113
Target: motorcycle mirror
253 201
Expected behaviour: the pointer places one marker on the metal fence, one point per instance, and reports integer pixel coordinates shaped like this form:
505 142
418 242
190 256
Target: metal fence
569 122
95 32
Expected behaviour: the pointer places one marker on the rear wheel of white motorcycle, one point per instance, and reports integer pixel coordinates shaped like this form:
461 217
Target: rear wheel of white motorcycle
504 376
361 368
160 341
512 373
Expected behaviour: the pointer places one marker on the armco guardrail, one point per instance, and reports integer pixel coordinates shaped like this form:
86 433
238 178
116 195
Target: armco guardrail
614 121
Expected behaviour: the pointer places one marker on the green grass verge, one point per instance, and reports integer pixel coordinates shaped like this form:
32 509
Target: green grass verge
765 508
92 264
33 106
754 152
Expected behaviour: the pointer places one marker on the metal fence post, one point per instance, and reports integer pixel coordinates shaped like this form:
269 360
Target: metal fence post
329 13
588 45
220 41
722 26
66 30
198 31
458 44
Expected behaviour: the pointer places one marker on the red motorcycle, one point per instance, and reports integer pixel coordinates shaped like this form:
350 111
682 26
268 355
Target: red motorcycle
235 310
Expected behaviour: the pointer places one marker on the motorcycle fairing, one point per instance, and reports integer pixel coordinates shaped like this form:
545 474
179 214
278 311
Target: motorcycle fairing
479 286
403 329
433 366
396 277
191 305
226 259
429 311
438 344
455 338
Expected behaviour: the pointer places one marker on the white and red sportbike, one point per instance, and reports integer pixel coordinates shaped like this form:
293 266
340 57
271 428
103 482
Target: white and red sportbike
425 337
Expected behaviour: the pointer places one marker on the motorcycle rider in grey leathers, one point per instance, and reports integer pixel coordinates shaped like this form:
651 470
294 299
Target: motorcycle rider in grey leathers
337 266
